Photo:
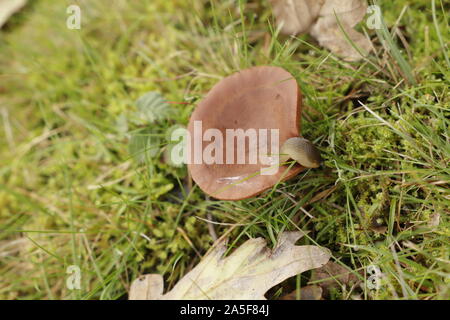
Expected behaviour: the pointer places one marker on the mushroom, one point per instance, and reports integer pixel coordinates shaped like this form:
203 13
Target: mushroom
257 98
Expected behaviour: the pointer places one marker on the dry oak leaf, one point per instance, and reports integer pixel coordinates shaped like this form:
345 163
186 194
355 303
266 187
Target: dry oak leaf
8 8
326 21
333 275
311 292
246 274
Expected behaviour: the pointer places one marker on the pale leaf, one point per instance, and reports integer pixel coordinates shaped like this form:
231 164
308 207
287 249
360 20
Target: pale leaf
294 16
248 273
8 8
330 22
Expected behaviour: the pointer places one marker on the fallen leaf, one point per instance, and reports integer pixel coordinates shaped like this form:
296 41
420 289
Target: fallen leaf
332 275
8 8
311 292
247 274
327 21
296 16
12 247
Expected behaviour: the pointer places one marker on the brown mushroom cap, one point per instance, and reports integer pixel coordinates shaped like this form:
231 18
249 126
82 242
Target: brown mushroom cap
259 98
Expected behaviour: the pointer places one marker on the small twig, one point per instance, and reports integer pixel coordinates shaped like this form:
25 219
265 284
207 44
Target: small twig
185 236
7 127
221 223
212 231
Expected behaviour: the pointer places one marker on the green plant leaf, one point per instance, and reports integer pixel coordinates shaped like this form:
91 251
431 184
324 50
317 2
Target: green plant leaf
153 107
144 143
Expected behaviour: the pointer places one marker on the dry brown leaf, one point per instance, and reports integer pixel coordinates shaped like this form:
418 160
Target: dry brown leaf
247 274
296 16
379 229
332 275
8 8
325 20
311 292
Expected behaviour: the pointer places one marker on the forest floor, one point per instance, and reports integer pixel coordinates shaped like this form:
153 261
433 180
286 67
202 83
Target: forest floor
72 194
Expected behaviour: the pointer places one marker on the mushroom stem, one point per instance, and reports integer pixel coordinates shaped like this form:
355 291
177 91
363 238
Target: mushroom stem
301 150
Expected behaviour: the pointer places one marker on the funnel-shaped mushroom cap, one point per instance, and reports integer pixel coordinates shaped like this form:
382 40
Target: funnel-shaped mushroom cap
255 98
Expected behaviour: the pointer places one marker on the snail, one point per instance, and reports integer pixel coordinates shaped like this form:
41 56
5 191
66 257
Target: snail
301 150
